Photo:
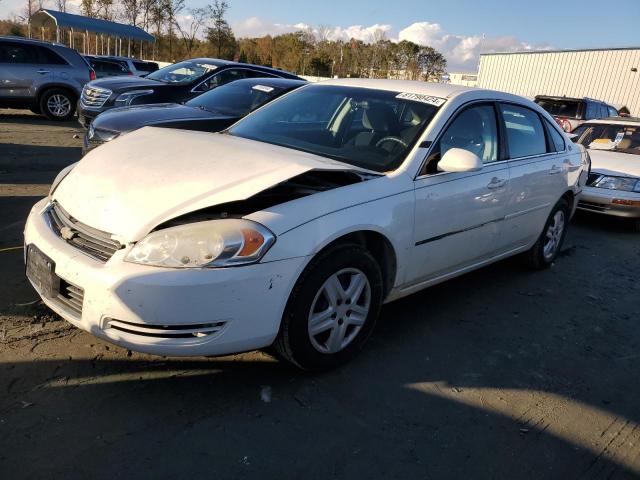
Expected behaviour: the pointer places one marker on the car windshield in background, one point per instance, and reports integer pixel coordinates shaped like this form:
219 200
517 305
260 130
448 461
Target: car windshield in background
235 99
182 73
560 108
619 138
372 129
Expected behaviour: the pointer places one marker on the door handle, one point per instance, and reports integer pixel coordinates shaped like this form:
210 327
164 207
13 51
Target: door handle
555 170
497 183
42 71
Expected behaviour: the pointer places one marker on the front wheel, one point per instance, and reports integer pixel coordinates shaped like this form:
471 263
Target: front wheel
332 309
546 249
58 104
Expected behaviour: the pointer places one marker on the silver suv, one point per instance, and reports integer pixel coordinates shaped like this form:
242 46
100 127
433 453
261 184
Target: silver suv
44 77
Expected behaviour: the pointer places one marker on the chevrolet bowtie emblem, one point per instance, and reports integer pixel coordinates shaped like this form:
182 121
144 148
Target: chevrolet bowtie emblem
67 233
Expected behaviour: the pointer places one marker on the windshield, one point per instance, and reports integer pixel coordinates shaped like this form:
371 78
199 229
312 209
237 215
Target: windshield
236 98
560 108
619 138
372 129
182 73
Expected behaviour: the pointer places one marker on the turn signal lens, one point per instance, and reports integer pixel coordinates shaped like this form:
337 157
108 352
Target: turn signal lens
252 241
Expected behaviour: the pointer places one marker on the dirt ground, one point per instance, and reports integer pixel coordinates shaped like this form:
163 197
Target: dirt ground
502 373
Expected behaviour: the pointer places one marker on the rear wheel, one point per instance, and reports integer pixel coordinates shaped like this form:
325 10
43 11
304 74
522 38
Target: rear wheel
58 104
546 249
332 309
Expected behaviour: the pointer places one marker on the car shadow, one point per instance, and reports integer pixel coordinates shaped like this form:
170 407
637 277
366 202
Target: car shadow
496 374
22 117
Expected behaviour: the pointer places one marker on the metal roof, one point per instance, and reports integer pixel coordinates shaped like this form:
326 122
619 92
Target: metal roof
47 18
577 50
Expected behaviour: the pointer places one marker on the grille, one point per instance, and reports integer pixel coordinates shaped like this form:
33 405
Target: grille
95 243
70 297
596 207
197 330
94 96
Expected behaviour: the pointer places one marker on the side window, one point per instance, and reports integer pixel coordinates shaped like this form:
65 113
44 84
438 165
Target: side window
556 138
222 78
17 53
475 129
49 57
257 74
613 112
525 135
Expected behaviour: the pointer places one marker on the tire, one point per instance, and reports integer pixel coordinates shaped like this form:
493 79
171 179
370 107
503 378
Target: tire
546 249
635 225
58 104
340 333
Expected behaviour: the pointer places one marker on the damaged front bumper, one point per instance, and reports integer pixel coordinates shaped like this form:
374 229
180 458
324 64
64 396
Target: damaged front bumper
164 311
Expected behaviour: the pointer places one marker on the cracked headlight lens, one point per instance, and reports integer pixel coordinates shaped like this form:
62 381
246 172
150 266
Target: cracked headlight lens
625 184
214 243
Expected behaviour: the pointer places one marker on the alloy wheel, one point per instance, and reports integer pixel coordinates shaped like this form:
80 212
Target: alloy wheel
59 105
554 234
339 310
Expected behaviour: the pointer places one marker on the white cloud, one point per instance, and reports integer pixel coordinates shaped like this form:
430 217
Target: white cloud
256 27
462 52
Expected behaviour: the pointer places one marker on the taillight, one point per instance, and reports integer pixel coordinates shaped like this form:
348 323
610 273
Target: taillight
92 75
130 73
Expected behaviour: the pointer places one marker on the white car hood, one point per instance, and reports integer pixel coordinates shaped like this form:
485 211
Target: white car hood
615 163
128 186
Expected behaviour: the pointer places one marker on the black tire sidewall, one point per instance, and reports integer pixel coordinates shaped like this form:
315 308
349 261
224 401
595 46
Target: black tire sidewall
295 319
57 91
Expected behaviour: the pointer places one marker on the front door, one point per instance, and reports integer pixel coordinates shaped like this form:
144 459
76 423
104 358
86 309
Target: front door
459 216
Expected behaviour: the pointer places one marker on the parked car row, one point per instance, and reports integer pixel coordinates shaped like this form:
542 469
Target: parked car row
291 227
48 78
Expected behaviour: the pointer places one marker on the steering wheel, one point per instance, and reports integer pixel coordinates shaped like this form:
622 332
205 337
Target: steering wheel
392 139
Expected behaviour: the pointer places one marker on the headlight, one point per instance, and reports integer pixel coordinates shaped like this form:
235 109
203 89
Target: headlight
625 184
214 243
63 173
99 135
126 98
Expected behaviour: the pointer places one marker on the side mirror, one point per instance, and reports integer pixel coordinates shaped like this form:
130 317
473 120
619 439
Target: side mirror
459 160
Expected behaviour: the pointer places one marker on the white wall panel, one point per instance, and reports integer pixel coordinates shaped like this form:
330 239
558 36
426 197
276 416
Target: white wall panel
601 74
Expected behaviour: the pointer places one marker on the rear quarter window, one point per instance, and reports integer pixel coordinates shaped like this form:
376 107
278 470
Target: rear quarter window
49 57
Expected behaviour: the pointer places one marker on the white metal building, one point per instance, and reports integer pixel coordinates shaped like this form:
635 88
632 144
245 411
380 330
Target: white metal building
604 74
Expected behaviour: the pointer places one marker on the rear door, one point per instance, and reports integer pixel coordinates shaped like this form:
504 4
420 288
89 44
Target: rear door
538 173
21 71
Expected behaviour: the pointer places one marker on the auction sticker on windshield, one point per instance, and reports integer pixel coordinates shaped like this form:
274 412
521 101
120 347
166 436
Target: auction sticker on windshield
262 88
417 97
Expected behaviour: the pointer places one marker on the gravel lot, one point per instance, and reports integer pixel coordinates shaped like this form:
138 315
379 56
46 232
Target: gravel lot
502 373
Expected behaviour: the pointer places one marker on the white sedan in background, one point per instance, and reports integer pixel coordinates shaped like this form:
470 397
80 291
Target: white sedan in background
293 227
613 187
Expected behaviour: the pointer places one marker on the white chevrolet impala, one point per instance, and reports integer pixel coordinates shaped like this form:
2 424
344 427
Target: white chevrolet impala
294 226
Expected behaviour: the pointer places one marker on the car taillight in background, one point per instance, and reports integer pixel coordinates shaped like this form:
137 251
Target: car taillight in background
92 74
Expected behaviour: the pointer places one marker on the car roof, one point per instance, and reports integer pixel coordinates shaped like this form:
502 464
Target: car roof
631 121
31 40
271 82
442 90
572 99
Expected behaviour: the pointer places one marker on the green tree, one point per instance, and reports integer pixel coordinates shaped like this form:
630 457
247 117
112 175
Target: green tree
220 35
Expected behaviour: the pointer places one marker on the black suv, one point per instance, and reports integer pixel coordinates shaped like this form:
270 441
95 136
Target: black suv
175 83
570 113
41 76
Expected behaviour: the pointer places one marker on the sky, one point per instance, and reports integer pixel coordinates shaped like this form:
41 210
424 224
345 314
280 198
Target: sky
460 29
